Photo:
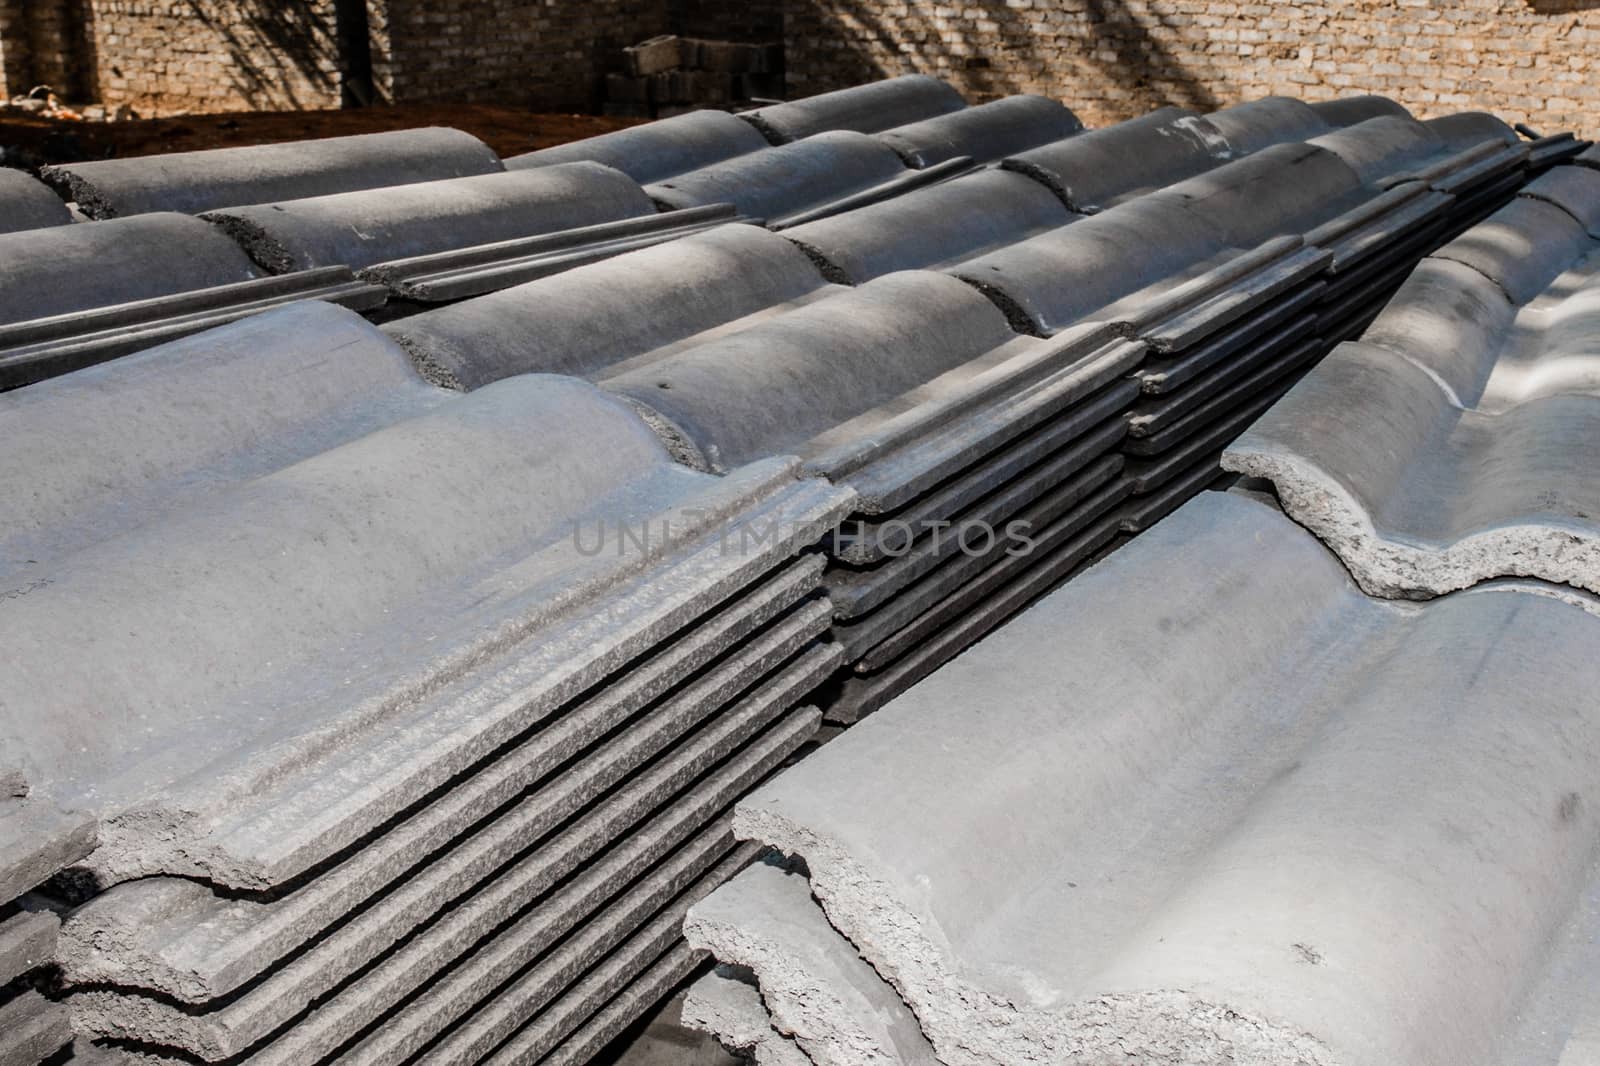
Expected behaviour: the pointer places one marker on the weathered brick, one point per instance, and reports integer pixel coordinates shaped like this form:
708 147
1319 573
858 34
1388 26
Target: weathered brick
1110 62
265 54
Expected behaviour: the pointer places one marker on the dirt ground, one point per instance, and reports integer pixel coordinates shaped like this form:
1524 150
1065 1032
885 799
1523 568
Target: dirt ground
31 141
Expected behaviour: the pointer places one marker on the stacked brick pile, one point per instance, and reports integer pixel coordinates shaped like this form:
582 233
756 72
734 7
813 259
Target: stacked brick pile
668 75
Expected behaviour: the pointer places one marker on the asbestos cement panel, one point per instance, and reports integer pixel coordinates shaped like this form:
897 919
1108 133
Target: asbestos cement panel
191 182
363 229
1223 843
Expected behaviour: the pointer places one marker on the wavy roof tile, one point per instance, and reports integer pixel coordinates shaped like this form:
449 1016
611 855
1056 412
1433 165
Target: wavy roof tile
1440 450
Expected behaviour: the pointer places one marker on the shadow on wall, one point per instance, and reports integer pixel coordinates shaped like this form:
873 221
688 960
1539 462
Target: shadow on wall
281 53
1561 7
997 51
47 43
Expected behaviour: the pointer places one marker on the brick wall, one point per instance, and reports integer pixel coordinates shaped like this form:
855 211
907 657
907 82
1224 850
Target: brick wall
753 21
40 44
16 58
541 53
1530 60
161 56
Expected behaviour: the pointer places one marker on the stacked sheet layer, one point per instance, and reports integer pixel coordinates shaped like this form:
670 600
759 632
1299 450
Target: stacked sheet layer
1449 445
1239 837
499 681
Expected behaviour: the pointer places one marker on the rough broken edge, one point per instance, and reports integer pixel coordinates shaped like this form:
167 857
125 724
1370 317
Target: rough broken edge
727 1004
813 981
970 1026
1390 568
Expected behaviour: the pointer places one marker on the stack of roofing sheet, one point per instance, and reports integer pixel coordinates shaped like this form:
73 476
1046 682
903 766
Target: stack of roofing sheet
1554 150
656 150
1380 234
596 319
409 717
871 108
1042 189
823 174
431 216
1206 804
974 451
932 227
1474 158
36 840
71 296
1453 442
1107 166
1235 277
985 134
911 389
1089 172
392 235
840 169
706 168
820 159
1222 843
1222 275
923 120
74 296
192 182
121 286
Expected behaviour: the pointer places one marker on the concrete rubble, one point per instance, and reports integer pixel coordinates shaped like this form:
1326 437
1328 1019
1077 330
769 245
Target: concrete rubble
1228 850
1469 388
425 645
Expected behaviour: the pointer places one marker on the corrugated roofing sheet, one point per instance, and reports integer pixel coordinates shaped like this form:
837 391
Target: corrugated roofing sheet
420 666
1448 446
1273 810
26 203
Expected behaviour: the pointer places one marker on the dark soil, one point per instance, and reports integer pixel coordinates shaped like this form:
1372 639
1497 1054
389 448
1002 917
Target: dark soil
32 141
